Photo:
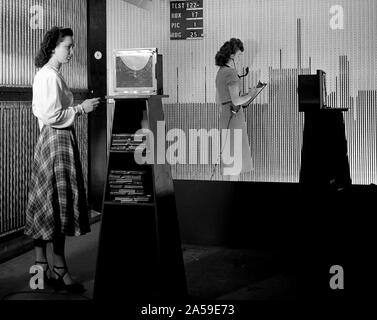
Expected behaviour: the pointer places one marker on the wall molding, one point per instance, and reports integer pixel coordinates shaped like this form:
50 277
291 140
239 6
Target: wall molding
25 94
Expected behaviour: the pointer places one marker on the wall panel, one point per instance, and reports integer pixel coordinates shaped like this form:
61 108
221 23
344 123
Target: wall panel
22 26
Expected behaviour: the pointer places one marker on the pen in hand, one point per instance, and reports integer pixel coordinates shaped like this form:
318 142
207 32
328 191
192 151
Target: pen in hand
260 84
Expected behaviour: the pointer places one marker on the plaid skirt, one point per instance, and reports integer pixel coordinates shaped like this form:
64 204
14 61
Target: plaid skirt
57 202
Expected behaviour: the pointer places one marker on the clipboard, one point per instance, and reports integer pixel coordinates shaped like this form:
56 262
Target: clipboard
260 89
260 86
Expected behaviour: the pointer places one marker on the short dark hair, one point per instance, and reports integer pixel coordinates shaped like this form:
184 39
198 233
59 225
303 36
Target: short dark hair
227 49
50 41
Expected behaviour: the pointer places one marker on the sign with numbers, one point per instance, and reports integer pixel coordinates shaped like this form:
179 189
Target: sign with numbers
186 20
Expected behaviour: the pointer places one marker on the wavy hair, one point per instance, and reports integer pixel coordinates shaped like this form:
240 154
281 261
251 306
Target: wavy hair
227 49
50 41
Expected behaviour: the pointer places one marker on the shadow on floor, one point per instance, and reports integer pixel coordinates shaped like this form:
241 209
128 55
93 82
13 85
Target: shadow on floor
81 253
211 273
236 274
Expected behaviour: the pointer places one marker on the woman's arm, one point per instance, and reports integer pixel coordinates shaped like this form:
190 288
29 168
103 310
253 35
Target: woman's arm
238 100
47 105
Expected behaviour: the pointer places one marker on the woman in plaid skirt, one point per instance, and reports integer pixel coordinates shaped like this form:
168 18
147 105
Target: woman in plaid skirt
57 204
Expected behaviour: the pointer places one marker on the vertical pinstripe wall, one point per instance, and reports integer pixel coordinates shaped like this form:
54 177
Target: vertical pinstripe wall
18 132
23 24
282 38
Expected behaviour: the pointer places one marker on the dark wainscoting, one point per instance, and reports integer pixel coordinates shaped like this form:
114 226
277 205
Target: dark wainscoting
242 214
310 232
270 215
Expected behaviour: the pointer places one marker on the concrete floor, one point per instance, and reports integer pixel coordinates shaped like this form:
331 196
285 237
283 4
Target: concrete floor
211 273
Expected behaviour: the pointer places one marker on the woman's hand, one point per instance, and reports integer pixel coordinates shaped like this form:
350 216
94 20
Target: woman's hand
90 104
235 109
260 84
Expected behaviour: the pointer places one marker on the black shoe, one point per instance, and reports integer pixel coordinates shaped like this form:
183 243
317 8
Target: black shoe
47 280
60 284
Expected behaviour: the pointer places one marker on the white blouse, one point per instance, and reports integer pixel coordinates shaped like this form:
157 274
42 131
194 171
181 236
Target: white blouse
52 100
